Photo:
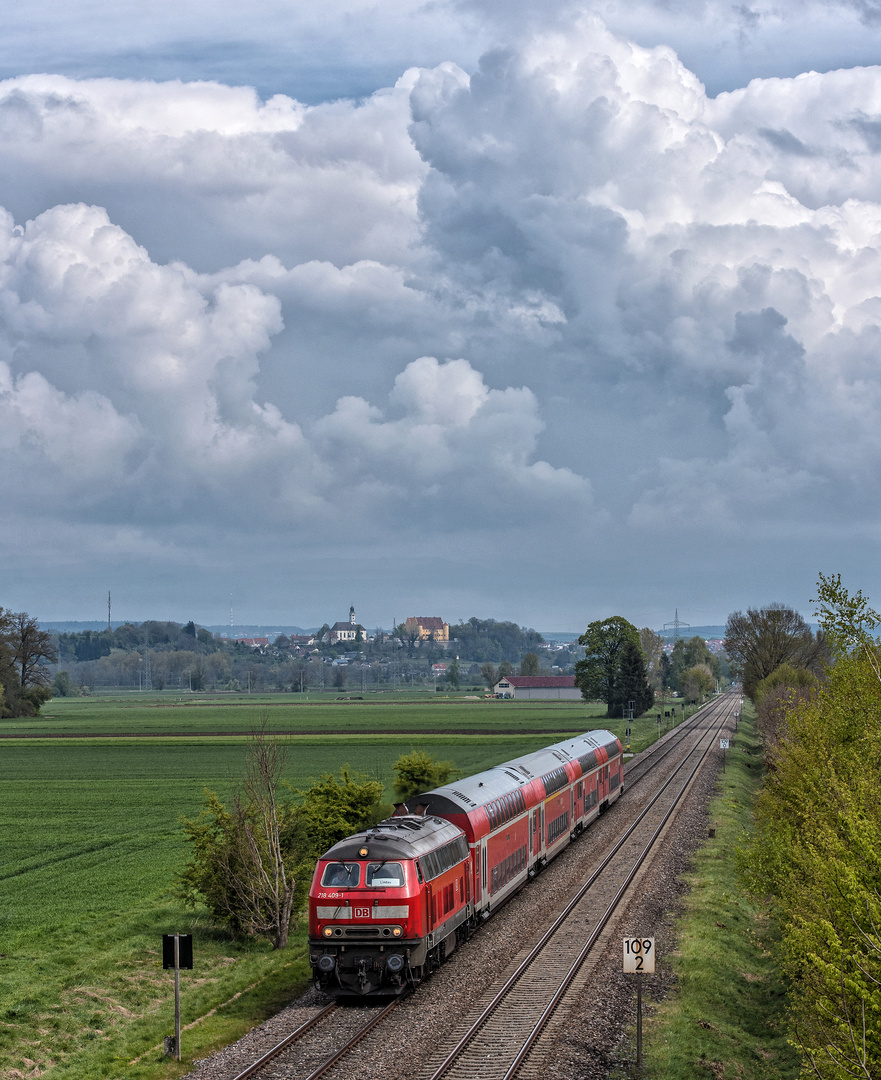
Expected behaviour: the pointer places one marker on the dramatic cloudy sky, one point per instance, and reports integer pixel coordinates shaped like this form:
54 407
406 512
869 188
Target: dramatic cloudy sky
547 315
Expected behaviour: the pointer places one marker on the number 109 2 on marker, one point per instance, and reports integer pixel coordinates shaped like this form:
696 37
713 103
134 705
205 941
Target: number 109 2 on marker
639 955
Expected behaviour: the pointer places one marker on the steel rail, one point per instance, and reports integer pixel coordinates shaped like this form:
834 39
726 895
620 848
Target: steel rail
353 1042
550 1008
516 975
288 1040
658 751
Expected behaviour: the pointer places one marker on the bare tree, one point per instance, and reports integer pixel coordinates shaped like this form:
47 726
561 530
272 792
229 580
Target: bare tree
248 860
31 647
763 639
24 651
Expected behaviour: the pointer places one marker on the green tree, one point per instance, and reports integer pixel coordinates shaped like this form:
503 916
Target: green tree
697 682
764 638
489 675
454 677
687 654
334 807
633 684
599 673
777 695
652 646
486 640
530 665
61 684
417 772
250 862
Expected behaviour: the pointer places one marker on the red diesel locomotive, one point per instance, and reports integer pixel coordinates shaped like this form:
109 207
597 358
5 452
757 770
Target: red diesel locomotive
388 905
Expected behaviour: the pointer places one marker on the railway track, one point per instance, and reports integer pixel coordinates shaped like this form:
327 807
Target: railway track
317 1045
534 989
496 1044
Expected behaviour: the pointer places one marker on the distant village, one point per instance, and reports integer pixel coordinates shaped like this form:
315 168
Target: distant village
423 651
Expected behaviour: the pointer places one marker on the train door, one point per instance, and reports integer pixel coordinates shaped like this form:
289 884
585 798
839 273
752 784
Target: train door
429 901
483 864
535 835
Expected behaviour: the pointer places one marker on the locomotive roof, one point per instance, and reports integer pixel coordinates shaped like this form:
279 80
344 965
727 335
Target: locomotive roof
401 837
473 791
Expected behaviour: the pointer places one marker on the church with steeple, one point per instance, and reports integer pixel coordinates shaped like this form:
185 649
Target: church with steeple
351 631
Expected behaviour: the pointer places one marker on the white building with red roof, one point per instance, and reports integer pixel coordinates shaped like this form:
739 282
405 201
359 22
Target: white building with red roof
538 688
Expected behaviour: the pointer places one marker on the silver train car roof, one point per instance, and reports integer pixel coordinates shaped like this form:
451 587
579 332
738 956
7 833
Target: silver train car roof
484 787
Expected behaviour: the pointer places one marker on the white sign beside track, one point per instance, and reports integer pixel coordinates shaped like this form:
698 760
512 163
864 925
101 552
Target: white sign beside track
639 955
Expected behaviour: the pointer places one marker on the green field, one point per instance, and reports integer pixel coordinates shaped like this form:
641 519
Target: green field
172 714
90 839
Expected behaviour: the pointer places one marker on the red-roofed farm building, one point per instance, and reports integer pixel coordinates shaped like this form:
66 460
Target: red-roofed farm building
538 688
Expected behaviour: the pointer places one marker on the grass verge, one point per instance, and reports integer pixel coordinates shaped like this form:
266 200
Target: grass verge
727 1015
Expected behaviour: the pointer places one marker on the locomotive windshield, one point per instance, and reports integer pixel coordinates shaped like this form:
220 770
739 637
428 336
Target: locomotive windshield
340 875
388 875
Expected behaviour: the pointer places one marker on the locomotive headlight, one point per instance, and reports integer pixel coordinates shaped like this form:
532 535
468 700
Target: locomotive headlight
397 931
395 963
328 931
326 963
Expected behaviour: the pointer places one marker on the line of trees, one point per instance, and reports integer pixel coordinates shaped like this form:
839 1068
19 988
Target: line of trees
167 655
815 855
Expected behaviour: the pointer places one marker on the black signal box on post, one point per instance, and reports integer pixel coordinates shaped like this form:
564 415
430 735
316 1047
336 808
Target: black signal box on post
184 951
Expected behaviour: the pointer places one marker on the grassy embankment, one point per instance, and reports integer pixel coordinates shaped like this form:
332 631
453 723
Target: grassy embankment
90 839
727 1016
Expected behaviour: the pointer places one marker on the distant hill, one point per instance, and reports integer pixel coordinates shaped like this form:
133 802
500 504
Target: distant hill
249 630
694 631
237 630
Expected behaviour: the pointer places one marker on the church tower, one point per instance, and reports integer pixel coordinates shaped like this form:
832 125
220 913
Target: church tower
352 615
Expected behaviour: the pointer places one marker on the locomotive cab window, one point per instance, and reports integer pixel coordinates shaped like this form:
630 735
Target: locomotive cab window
387 875
339 875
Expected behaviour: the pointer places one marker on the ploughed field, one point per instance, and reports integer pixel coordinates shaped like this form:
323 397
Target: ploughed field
91 797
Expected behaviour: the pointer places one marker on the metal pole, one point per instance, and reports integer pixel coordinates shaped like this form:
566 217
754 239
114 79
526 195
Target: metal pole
177 996
639 1019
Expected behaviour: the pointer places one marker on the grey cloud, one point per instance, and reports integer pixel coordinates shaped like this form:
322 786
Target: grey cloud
564 307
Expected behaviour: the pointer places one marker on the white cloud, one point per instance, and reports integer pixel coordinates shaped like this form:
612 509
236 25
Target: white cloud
633 305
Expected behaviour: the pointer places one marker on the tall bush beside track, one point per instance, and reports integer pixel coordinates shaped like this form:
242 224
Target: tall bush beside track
816 859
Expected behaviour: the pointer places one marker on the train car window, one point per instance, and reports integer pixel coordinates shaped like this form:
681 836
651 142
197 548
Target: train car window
387 875
554 780
338 875
588 761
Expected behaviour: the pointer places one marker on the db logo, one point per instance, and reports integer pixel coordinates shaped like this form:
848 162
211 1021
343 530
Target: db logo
362 912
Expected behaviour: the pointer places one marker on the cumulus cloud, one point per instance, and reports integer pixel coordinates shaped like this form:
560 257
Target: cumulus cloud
145 405
566 285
